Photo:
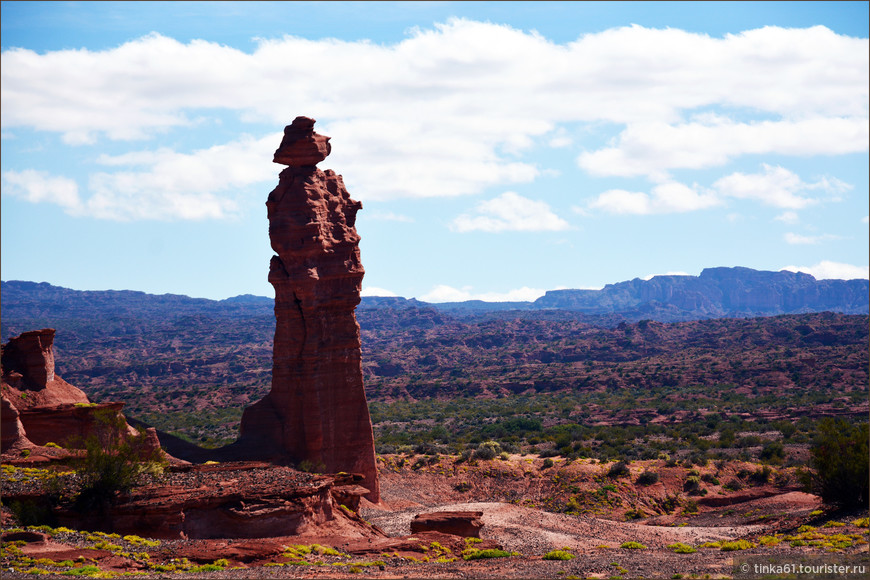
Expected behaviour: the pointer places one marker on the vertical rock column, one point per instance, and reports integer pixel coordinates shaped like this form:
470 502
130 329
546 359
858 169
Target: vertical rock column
316 410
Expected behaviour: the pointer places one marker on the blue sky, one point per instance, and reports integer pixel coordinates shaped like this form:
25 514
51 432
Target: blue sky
500 149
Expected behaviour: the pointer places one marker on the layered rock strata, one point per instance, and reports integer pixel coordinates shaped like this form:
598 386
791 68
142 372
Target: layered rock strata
316 411
223 501
39 407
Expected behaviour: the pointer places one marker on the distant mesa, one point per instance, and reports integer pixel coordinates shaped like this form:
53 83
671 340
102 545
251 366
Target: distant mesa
716 293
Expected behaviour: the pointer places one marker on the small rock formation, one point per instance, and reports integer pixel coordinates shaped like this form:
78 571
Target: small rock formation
228 503
28 371
316 411
466 524
12 432
39 407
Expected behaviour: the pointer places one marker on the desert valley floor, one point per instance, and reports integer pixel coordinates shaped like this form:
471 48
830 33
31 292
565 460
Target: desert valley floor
606 527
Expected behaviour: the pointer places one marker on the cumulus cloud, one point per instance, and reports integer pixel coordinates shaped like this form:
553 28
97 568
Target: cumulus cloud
453 109
653 148
671 197
832 270
39 186
160 185
788 217
799 239
445 293
510 212
773 186
777 187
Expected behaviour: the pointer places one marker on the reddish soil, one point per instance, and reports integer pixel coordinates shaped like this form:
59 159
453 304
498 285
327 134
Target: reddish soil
504 492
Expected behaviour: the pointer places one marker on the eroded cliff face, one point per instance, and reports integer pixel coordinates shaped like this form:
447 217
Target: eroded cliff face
39 407
316 410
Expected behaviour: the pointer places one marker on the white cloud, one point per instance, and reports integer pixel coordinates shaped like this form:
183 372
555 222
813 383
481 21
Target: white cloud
832 270
788 217
510 212
799 239
668 197
653 148
865 219
38 187
451 110
160 185
375 291
444 293
773 186
777 187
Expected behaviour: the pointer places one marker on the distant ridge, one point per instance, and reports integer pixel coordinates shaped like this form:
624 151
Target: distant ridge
717 293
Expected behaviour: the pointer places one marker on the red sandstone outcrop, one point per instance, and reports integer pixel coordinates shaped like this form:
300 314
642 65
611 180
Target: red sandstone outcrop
28 372
39 407
12 432
231 501
466 524
316 410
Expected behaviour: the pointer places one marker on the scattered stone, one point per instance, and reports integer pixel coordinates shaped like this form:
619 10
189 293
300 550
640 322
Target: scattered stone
466 524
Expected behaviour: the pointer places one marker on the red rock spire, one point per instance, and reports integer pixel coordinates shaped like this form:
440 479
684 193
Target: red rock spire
316 410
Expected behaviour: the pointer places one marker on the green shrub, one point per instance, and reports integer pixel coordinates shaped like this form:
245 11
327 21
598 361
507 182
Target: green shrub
618 469
487 450
681 548
113 461
489 553
692 484
633 546
559 555
761 475
647 478
839 459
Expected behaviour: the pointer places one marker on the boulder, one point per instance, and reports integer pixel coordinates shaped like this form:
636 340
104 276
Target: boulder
466 524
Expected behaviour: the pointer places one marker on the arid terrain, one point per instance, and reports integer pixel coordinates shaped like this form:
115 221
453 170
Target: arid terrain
573 447
608 525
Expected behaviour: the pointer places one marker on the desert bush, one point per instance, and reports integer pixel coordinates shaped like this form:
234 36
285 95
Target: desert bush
113 461
647 478
618 469
772 452
761 475
487 450
474 554
733 485
681 548
558 555
692 484
710 478
839 459
633 546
